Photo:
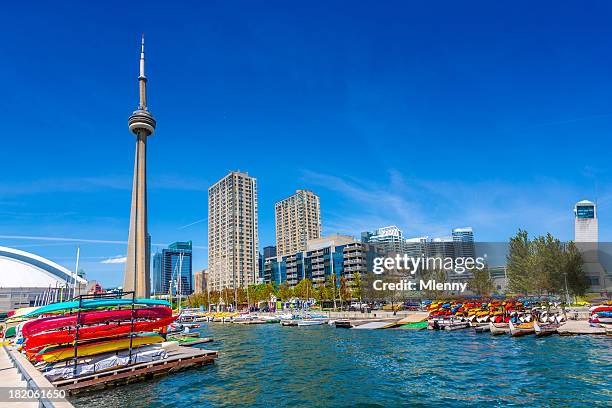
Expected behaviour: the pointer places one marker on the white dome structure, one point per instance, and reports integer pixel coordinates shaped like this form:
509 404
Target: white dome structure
26 278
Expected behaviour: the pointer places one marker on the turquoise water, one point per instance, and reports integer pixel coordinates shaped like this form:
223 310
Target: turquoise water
269 366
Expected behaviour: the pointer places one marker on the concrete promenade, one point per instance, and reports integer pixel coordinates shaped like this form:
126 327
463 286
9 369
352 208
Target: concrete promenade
18 373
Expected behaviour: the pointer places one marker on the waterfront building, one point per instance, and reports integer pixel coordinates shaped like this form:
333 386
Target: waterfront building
233 239
463 239
417 247
341 255
27 280
586 237
172 270
199 281
442 247
298 219
389 239
142 124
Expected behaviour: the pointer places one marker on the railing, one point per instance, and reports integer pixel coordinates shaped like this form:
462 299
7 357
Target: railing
35 384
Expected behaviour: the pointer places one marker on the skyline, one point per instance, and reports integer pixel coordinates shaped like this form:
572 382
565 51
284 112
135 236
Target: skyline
358 98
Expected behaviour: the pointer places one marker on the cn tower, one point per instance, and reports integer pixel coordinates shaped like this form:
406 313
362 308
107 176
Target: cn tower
141 123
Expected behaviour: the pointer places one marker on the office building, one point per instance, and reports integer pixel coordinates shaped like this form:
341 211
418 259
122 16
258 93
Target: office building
233 239
298 219
341 255
172 270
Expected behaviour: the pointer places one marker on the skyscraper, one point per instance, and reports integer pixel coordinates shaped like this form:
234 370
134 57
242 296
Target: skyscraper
233 239
172 270
199 281
141 123
298 219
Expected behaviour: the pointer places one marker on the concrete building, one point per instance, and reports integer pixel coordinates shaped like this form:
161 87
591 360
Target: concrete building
463 239
28 280
586 237
341 255
298 219
233 239
141 123
172 270
389 239
199 281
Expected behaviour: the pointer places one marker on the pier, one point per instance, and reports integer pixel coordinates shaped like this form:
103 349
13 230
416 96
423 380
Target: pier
178 359
16 372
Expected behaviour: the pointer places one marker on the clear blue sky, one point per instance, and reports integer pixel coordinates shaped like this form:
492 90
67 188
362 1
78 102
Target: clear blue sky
409 113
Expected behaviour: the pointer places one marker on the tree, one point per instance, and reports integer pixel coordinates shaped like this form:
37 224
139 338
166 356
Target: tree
577 282
303 289
357 286
481 284
517 263
285 292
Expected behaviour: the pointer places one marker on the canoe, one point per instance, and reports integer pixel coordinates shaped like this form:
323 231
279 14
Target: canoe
521 329
457 326
310 322
94 317
414 326
92 304
53 354
483 328
106 331
499 328
542 330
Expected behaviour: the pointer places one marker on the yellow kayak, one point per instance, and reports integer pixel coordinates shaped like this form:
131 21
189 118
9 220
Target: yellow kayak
53 354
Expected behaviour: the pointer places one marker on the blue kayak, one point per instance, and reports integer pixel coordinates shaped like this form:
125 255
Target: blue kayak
92 304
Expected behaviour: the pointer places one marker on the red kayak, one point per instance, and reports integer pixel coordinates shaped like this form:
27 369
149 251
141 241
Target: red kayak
93 317
105 331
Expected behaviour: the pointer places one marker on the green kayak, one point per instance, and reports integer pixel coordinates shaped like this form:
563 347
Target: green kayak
92 304
414 326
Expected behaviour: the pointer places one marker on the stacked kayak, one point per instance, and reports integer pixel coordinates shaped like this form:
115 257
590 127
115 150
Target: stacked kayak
48 334
600 315
59 353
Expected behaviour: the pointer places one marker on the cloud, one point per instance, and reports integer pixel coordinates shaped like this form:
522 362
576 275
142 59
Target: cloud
115 260
99 183
494 208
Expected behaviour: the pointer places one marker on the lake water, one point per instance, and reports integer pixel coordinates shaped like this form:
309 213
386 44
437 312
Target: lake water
269 365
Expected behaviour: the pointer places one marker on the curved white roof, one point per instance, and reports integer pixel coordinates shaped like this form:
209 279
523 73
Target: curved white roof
585 202
20 269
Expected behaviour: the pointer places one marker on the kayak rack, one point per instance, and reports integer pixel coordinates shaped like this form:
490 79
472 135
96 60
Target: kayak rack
98 296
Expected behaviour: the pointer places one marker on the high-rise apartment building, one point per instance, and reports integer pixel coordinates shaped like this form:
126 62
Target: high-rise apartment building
389 239
199 281
298 219
463 239
233 239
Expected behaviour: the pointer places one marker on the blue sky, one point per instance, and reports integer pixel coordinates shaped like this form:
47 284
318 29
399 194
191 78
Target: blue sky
409 113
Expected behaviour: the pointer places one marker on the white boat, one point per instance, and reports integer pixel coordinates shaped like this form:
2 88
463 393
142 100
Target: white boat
545 329
310 322
499 328
457 326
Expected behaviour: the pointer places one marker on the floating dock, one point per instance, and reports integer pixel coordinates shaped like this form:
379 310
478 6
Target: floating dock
575 327
179 359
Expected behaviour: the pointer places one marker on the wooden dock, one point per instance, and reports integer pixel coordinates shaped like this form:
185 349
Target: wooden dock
180 359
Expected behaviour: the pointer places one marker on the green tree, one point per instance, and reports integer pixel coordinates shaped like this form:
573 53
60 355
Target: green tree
517 261
285 292
303 289
356 286
577 282
481 284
